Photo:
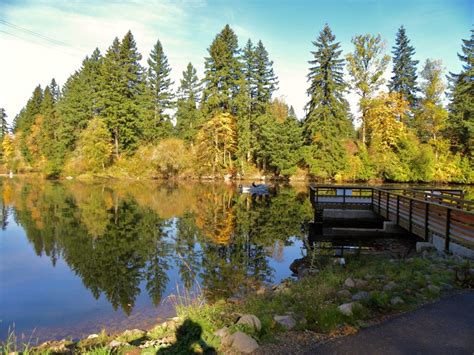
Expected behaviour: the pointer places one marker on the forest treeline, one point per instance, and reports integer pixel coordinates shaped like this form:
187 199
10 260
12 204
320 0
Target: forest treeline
116 117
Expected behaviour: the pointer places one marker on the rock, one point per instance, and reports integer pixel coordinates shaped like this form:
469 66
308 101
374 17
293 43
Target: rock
281 288
221 333
396 301
362 295
287 321
433 288
251 321
243 343
69 178
368 277
235 299
347 308
360 283
390 286
261 290
59 347
344 294
349 283
117 344
424 246
93 336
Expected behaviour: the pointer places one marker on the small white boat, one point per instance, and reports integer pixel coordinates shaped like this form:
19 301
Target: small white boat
254 189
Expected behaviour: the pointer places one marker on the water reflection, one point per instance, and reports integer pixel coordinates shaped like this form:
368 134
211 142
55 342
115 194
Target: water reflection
123 239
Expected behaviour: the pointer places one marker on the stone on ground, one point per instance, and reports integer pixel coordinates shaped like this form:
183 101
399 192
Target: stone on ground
241 342
395 301
116 344
433 288
287 321
344 294
349 283
362 295
422 246
251 321
390 286
347 308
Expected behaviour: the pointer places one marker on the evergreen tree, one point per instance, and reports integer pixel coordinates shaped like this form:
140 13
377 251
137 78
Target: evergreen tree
121 89
25 120
404 76
460 128
3 123
160 93
366 65
223 72
327 121
79 101
266 82
55 91
188 117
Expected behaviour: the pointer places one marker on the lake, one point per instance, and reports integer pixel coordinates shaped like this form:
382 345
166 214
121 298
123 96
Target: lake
78 257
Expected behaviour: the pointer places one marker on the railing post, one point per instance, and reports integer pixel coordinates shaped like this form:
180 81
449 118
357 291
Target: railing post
344 197
448 226
379 201
427 214
398 209
410 209
387 206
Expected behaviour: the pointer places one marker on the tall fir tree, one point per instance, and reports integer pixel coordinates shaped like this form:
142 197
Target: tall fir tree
25 120
79 101
3 123
55 90
327 123
460 125
161 96
266 82
120 93
404 79
223 73
188 116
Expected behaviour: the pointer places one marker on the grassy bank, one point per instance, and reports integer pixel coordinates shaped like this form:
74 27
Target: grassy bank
381 285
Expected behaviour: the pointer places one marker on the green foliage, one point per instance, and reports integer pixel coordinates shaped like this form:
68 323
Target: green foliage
223 72
366 66
121 88
188 116
94 148
404 76
159 95
460 125
327 123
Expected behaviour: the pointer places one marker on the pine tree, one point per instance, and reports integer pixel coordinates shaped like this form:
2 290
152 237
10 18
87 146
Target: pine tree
188 117
3 123
79 101
366 65
160 94
460 128
327 123
121 89
223 72
55 91
25 120
404 76
266 81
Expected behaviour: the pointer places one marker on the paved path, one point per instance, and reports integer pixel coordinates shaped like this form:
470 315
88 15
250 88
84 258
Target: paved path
444 327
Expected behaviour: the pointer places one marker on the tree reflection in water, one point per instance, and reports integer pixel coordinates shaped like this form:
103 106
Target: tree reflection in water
119 236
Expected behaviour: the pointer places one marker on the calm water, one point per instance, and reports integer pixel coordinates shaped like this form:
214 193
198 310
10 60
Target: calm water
78 257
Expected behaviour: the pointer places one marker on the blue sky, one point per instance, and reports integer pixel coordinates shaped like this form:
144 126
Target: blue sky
187 27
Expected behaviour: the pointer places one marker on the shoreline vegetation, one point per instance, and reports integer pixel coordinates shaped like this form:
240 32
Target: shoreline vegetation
327 300
115 116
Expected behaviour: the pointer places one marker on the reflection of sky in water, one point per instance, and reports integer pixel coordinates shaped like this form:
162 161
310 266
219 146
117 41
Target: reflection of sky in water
52 301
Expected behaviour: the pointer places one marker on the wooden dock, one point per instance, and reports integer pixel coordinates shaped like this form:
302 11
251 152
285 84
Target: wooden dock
424 212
